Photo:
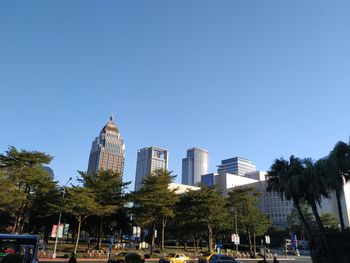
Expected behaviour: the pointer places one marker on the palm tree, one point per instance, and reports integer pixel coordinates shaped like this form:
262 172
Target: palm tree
315 187
337 168
285 178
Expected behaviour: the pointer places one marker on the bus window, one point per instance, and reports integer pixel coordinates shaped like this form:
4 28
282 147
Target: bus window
25 246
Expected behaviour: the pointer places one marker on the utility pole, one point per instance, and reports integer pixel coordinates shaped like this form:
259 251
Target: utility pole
236 231
59 219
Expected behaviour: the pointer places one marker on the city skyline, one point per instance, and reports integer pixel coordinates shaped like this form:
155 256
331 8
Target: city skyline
257 79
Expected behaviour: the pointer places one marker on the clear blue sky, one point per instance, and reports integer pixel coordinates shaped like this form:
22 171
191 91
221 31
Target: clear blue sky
257 79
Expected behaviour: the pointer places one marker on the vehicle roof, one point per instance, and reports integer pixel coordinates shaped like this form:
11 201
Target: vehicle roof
18 236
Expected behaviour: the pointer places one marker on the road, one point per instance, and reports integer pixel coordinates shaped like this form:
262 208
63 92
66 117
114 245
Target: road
292 260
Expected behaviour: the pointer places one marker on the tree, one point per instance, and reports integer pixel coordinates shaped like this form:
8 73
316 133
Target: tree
285 178
301 180
294 220
243 202
109 193
329 220
188 223
204 211
154 202
25 170
43 212
80 202
337 168
314 188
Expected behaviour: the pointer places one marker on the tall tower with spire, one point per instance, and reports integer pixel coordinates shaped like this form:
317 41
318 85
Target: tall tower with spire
107 150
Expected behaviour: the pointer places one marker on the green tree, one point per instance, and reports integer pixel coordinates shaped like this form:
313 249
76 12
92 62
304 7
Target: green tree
242 203
294 220
80 202
203 210
301 180
154 202
43 212
25 170
329 220
285 178
109 192
188 223
314 188
337 168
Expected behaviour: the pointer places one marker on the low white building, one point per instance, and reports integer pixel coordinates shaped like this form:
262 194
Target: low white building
278 209
329 205
228 181
182 188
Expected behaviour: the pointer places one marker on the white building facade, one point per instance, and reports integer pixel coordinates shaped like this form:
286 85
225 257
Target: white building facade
149 159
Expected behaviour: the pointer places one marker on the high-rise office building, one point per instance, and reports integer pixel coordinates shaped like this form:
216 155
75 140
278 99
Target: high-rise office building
107 150
194 165
149 159
236 165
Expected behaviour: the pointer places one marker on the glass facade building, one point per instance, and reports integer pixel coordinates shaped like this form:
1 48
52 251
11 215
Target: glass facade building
107 150
209 179
236 165
149 159
194 166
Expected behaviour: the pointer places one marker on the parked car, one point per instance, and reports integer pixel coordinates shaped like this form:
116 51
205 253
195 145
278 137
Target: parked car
219 258
175 258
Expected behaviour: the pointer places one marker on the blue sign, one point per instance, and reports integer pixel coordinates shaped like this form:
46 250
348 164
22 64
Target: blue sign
294 241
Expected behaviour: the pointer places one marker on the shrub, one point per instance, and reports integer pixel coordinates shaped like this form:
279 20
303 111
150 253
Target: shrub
133 258
12 259
339 244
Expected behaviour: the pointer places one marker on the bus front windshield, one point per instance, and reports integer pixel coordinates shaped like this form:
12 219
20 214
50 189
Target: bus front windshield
19 246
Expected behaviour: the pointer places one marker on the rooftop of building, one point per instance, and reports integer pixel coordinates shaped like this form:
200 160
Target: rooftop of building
153 147
234 159
110 126
196 148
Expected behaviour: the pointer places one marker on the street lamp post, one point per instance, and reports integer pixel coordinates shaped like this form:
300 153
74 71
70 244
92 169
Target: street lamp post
236 231
59 219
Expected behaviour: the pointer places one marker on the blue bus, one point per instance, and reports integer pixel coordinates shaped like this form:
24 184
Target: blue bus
25 246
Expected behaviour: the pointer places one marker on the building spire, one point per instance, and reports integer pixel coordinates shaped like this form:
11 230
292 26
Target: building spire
112 117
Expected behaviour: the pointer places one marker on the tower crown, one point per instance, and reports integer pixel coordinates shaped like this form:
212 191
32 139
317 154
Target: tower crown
110 126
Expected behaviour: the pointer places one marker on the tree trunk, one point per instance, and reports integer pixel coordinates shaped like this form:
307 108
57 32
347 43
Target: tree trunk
322 231
23 218
78 236
250 242
340 212
163 233
99 239
254 244
210 238
14 227
197 244
152 242
303 220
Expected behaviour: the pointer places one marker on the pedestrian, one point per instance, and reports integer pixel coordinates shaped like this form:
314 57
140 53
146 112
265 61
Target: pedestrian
72 258
275 260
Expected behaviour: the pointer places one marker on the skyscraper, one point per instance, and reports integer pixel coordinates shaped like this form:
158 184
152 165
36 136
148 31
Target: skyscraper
236 165
149 159
107 150
194 165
